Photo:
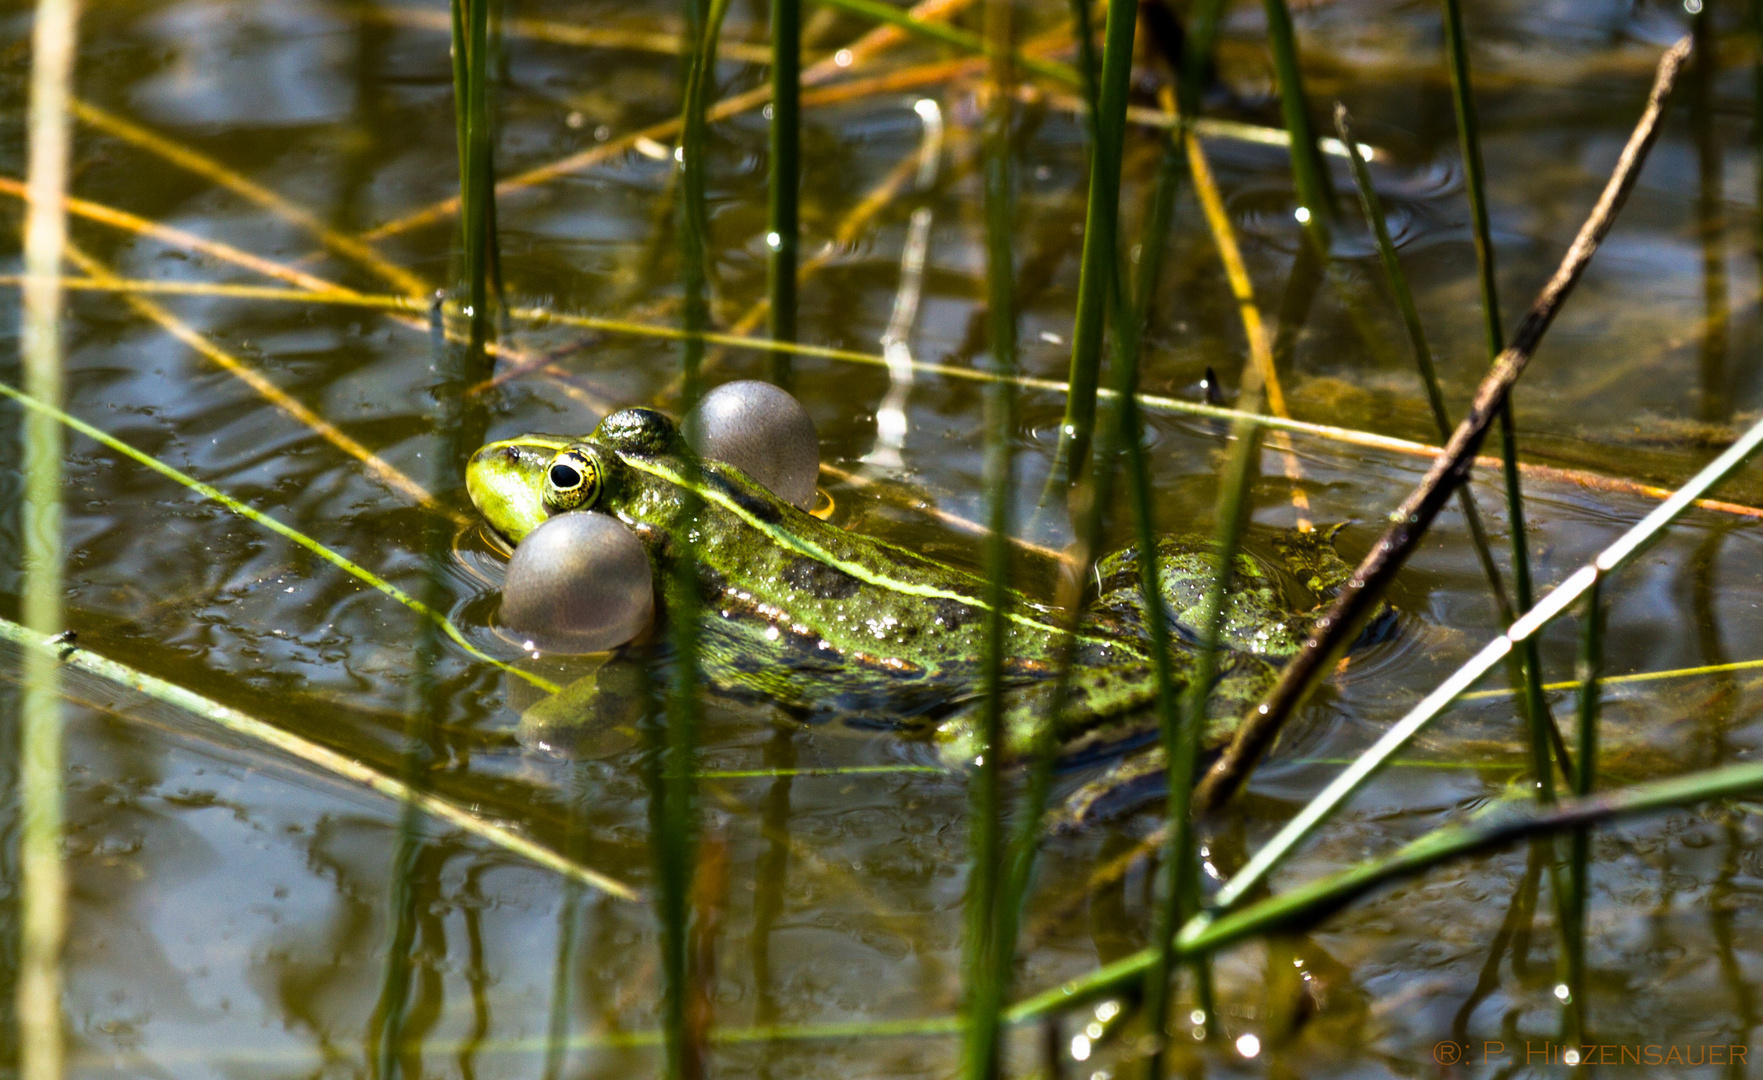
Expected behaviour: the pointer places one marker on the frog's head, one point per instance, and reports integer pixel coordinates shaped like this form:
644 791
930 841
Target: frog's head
517 483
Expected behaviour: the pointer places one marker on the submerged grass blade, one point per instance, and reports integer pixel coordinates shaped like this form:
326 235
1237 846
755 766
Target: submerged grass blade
43 878
357 251
257 381
178 238
287 532
884 12
312 753
563 33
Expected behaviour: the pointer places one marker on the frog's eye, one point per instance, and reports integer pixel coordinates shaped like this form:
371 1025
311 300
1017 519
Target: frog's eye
572 481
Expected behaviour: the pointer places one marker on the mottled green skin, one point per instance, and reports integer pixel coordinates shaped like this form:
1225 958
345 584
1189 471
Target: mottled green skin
833 624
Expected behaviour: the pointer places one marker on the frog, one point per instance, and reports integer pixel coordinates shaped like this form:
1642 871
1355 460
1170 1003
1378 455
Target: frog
827 624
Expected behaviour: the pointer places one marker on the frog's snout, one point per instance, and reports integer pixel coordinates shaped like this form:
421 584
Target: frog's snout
506 482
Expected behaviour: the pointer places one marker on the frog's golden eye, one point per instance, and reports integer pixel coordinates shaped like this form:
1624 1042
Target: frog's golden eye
572 481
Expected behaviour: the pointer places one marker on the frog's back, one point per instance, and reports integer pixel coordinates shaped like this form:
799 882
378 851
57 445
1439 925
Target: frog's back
817 618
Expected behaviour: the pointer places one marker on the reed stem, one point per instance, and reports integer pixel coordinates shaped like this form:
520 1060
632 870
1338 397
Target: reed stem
478 187
1529 625
1098 263
987 972
1429 376
1316 207
673 750
786 177
43 884
1536 707
1585 761
1500 824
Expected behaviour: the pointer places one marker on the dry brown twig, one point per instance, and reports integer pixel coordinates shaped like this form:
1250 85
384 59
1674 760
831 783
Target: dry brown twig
1409 522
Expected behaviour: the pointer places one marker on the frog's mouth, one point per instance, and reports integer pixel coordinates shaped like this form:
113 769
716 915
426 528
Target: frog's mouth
506 482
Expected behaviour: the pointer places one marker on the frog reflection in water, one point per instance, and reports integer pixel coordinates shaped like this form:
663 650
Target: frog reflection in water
830 624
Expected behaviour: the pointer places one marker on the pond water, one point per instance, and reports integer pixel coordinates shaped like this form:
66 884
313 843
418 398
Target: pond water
232 908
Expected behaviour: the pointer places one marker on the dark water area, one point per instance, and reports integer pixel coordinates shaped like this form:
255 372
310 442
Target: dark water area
231 906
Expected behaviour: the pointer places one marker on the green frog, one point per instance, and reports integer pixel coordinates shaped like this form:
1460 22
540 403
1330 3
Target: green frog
833 625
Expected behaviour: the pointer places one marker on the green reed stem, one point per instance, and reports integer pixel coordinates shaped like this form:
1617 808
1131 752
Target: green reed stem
1181 728
1500 824
287 532
1536 707
460 427
1529 625
1309 177
1754 21
673 752
786 177
1089 65
694 226
478 185
1429 376
1179 899
458 54
1119 429
43 879
987 972
1585 761
1099 261
1196 58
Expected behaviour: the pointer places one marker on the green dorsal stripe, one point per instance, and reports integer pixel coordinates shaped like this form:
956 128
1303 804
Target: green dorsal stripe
804 546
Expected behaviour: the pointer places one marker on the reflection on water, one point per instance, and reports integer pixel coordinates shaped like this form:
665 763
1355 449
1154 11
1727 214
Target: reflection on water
232 911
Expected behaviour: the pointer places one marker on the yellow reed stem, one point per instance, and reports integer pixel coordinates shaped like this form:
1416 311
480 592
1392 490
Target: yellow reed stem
1154 402
166 234
43 879
318 288
356 251
1260 349
378 467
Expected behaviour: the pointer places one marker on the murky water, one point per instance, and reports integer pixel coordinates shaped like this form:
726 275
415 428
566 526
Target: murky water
232 907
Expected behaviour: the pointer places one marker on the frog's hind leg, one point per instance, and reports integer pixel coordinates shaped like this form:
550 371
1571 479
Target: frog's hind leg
1257 619
1312 559
1134 781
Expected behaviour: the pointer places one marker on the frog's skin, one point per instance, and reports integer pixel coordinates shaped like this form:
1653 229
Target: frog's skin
832 624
